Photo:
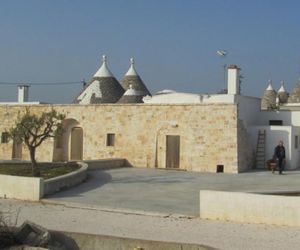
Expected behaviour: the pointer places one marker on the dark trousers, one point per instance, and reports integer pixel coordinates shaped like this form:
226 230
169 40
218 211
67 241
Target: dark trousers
280 165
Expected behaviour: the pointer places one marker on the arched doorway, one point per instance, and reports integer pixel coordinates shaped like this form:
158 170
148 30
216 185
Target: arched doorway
69 145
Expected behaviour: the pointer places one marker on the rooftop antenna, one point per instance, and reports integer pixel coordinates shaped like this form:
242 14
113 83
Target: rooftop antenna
222 54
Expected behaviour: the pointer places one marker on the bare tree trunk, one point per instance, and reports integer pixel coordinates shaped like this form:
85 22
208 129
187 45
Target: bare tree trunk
34 167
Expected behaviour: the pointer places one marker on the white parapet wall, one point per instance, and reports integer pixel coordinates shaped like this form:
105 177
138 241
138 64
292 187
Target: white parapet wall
250 208
24 188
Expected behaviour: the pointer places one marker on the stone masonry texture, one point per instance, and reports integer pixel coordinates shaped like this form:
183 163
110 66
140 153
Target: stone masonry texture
208 133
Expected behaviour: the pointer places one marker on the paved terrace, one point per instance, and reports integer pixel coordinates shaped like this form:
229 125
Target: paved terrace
167 191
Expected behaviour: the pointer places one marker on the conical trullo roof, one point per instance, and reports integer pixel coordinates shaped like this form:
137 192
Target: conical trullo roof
103 88
133 78
282 94
268 100
295 95
132 95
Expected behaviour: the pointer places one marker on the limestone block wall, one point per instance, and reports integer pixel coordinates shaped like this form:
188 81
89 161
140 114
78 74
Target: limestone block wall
208 133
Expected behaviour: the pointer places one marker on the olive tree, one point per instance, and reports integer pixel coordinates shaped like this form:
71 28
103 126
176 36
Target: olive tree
34 129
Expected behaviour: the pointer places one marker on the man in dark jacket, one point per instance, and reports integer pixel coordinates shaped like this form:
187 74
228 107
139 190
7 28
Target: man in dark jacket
280 155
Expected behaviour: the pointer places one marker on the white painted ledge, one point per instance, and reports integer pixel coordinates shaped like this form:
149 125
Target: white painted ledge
250 208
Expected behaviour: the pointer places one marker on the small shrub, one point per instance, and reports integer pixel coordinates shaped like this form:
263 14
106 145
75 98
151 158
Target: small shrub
7 238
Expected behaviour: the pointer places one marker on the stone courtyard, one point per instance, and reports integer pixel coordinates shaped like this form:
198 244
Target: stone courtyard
167 191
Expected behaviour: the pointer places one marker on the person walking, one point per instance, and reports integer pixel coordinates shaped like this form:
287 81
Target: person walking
280 156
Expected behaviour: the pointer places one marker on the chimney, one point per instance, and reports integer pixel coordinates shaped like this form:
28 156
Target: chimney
233 80
23 93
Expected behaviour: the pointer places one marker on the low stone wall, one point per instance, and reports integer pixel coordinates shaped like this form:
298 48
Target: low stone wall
88 241
18 187
56 184
107 164
250 208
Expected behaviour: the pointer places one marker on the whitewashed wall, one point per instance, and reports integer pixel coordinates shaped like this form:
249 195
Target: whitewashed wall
273 135
248 109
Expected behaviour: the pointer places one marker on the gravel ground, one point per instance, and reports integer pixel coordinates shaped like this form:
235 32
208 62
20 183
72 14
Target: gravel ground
221 235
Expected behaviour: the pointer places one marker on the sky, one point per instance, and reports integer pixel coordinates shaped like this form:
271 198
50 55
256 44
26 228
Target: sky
173 42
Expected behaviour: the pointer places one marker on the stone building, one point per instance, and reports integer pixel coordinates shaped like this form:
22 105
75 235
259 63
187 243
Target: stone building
147 135
197 132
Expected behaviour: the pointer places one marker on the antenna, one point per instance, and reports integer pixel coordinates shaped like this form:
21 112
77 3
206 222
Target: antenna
83 83
222 54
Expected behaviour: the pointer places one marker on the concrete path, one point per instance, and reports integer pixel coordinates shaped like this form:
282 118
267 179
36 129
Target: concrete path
167 191
221 235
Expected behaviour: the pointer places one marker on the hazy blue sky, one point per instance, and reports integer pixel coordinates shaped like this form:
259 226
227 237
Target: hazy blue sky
174 43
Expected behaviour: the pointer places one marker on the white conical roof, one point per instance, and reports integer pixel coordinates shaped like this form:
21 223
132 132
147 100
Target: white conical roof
103 88
133 78
131 71
270 87
268 100
103 71
132 91
295 96
281 87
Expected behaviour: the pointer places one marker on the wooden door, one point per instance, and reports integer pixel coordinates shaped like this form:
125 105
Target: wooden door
17 150
172 151
76 144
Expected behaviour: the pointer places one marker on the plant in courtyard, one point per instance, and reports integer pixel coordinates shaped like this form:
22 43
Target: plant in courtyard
7 238
34 129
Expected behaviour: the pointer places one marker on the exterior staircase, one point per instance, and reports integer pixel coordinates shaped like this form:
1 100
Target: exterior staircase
260 160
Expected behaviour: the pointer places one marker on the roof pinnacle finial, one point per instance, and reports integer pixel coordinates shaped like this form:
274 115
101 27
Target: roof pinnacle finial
104 58
270 87
131 71
131 61
281 87
103 71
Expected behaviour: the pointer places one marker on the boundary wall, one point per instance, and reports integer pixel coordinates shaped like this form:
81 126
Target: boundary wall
33 188
24 188
250 208
56 184
104 164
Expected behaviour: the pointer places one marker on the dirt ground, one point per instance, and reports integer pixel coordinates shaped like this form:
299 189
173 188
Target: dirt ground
161 227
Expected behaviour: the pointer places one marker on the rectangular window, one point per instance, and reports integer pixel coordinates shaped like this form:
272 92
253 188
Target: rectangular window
110 140
296 141
275 122
4 137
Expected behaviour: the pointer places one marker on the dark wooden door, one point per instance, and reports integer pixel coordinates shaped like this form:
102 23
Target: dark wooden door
76 144
17 150
173 151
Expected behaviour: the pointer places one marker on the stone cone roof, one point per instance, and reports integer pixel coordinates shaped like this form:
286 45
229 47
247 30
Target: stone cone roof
131 99
132 96
295 95
132 78
103 88
268 100
282 94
